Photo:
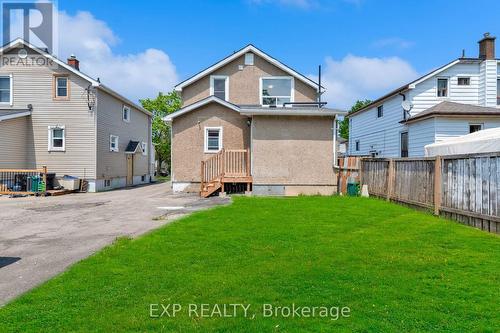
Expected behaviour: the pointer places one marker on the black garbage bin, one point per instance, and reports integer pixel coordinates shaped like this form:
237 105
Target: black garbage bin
51 179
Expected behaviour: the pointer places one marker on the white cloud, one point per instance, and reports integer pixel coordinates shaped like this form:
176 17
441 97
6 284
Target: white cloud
393 42
354 78
136 75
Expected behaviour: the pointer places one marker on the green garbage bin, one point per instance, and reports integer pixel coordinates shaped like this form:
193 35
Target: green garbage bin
353 189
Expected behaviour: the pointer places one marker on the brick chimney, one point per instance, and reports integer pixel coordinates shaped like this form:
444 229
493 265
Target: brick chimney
487 47
73 62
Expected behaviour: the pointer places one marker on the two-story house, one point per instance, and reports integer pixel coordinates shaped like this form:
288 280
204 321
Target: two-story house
456 99
53 115
250 120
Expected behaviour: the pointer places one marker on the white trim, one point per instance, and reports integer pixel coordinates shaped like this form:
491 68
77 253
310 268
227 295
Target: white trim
117 148
447 87
198 104
292 88
431 74
254 50
249 59
226 85
292 112
50 138
129 113
57 86
205 139
15 115
11 86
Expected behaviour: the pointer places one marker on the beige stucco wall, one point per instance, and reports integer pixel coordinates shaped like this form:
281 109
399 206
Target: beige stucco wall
293 151
110 122
244 84
188 138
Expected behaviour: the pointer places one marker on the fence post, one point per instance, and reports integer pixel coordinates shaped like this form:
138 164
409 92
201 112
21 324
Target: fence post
437 185
390 179
44 176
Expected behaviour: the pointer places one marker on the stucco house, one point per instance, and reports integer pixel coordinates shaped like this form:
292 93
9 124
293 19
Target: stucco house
53 115
251 123
456 99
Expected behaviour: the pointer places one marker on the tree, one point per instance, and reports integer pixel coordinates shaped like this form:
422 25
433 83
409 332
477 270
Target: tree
161 106
344 124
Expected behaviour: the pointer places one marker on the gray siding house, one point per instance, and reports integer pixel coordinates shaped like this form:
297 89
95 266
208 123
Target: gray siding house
53 115
456 99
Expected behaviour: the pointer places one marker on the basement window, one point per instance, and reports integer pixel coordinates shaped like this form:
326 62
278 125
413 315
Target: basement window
475 128
213 139
107 182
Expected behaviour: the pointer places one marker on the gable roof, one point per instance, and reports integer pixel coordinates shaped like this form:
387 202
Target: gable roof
249 48
413 83
95 83
200 103
446 108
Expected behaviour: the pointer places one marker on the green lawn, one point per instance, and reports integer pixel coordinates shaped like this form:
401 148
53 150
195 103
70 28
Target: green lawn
397 270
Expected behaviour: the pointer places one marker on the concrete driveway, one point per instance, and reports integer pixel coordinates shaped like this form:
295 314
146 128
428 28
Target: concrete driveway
41 237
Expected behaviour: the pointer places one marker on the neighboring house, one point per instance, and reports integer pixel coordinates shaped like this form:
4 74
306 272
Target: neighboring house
456 99
53 115
253 120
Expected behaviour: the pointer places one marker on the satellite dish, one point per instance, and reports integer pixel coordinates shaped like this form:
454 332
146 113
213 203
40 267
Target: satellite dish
406 106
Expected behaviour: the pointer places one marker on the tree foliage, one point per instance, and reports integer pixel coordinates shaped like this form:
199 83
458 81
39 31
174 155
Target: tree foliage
161 106
344 124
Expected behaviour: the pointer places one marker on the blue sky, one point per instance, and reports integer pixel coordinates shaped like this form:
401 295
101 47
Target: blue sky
365 46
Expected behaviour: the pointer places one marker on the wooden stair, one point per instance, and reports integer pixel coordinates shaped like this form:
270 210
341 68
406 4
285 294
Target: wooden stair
227 166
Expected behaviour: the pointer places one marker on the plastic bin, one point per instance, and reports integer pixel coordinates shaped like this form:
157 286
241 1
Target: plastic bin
353 189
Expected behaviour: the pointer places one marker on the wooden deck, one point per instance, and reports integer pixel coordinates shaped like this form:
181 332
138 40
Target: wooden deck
227 166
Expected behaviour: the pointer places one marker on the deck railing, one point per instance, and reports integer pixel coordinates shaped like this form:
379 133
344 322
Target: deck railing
226 163
23 181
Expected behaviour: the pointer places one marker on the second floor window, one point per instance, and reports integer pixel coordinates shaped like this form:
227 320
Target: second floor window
219 86
442 87
113 143
61 87
5 89
380 111
276 91
126 114
498 91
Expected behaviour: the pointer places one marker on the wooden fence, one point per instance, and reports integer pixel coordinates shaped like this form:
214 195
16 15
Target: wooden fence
465 188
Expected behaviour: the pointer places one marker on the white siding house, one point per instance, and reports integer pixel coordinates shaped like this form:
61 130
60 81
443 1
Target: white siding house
468 86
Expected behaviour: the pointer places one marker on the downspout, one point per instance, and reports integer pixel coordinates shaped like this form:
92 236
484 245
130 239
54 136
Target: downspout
335 162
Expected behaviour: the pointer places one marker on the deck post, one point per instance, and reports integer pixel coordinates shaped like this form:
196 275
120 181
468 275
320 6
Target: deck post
223 163
437 185
202 175
248 162
44 176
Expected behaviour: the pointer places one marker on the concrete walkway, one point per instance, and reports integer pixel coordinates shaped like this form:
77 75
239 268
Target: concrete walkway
41 237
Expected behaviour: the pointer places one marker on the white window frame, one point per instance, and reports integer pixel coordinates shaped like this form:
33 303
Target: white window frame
249 59
292 88
226 85
117 148
144 148
51 138
11 87
129 112
206 129
476 124
447 87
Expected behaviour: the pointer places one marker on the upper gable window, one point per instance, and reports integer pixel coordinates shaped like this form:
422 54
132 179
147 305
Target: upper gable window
219 86
5 90
61 87
249 59
380 111
276 90
442 87
464 81
126 114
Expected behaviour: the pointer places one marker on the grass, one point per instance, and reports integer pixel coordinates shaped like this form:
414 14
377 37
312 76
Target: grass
162 179
398 270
